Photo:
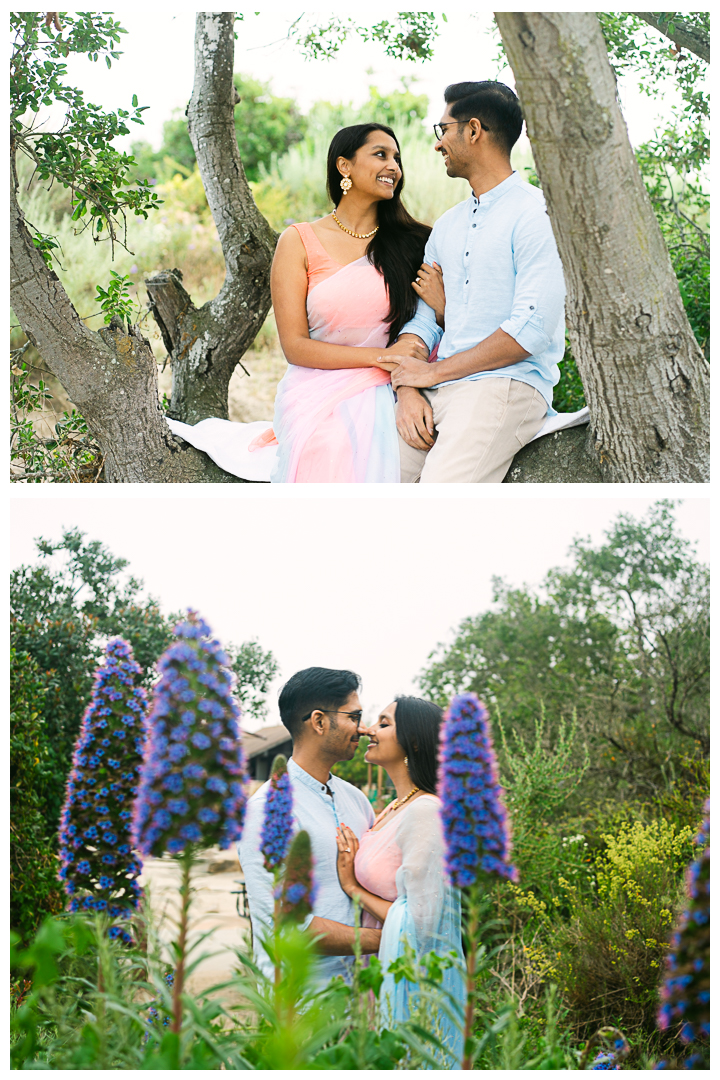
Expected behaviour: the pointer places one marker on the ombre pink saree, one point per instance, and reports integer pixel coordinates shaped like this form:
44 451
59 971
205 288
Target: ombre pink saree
338 426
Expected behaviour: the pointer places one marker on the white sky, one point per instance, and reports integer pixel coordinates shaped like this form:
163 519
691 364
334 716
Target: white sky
157 65
359 581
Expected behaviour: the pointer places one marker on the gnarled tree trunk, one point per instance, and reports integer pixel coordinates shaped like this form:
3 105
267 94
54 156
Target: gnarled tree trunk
111 376
645 377
206 344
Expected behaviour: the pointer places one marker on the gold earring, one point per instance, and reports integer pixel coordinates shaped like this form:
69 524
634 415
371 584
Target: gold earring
406 760
345 184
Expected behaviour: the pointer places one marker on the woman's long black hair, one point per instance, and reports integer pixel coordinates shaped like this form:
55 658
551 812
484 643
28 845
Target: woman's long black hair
417 729
397 248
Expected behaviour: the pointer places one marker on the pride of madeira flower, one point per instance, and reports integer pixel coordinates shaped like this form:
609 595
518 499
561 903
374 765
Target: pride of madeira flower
98 867
277 827
475 823
685 991
191 779
298 887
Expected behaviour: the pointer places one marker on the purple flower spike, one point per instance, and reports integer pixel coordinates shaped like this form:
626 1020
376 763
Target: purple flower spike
277 826
191 781
94 825
685 991
475 822
297 893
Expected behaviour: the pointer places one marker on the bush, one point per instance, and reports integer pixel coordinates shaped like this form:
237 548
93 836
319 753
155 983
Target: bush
610 954
34 887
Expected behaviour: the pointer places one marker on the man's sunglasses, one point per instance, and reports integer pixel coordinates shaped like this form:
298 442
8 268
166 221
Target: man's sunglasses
356 715
439 129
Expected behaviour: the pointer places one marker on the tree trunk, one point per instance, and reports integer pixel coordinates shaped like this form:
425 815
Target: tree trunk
645 377
206 344
111 376
565 457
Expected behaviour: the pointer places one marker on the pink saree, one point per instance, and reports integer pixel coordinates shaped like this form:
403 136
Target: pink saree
338 426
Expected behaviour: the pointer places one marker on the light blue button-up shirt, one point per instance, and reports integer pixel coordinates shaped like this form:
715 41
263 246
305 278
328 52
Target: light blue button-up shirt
501 269
319 813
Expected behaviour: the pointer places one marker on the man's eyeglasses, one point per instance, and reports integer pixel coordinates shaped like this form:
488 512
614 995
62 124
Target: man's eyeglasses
439 129
355 716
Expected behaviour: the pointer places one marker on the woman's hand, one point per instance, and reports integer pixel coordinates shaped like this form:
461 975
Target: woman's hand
347 843
406 346
429 286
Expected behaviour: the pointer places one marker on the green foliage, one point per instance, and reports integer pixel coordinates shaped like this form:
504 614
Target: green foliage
408 37
610 954
569 394
68 454
622 637
79 156
265 126
34 888
115 301
540 778
255 670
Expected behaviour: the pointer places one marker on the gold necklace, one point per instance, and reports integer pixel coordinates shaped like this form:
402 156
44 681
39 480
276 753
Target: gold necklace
395 805
357 235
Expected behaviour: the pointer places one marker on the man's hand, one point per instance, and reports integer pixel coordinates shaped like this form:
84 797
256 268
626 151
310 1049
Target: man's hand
414 419
417 373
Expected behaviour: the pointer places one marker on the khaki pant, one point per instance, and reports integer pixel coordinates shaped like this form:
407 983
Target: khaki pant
480 426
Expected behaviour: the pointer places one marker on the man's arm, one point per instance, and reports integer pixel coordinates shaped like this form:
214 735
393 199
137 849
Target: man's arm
538 307
499 350
339 940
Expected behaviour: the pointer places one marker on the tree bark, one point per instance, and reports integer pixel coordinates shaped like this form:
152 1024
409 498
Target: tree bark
206 344
111 376
565 457
683 34
646 380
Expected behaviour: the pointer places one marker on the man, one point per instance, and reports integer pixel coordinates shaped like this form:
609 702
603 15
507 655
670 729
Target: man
321 709
462 419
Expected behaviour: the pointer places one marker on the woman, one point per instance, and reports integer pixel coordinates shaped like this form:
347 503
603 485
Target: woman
342 288
396 870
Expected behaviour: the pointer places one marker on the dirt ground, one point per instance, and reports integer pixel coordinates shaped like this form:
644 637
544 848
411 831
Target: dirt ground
218 873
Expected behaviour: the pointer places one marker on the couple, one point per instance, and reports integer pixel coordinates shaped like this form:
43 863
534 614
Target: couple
393 864
463 322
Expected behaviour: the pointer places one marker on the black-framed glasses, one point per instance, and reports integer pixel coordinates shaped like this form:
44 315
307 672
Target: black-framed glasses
356 715
439 129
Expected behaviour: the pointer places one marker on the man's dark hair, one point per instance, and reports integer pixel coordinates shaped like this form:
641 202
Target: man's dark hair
417 729
494 104
314 688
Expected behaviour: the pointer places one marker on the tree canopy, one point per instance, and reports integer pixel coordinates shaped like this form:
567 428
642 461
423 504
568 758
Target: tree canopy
620 638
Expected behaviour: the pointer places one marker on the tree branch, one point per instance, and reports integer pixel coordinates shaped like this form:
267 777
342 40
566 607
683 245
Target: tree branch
206 344
110 376
684 35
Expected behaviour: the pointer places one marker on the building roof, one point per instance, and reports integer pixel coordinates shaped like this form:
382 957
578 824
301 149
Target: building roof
264 740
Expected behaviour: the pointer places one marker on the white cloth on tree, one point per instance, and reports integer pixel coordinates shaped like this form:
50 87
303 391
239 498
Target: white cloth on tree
227 442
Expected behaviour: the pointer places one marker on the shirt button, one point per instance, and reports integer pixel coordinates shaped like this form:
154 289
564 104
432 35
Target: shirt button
467 252
468 281
532 307
474 225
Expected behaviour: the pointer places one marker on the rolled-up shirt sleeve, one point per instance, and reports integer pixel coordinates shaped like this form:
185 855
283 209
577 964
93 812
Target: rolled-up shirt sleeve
539 299
424 323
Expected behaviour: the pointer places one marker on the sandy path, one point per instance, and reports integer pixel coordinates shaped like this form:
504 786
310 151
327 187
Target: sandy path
213 909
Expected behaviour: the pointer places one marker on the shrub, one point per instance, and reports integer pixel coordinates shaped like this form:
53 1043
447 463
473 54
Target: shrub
609 955
34 888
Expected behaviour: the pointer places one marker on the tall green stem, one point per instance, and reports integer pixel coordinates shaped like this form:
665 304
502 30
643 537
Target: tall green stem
471 958
179 979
